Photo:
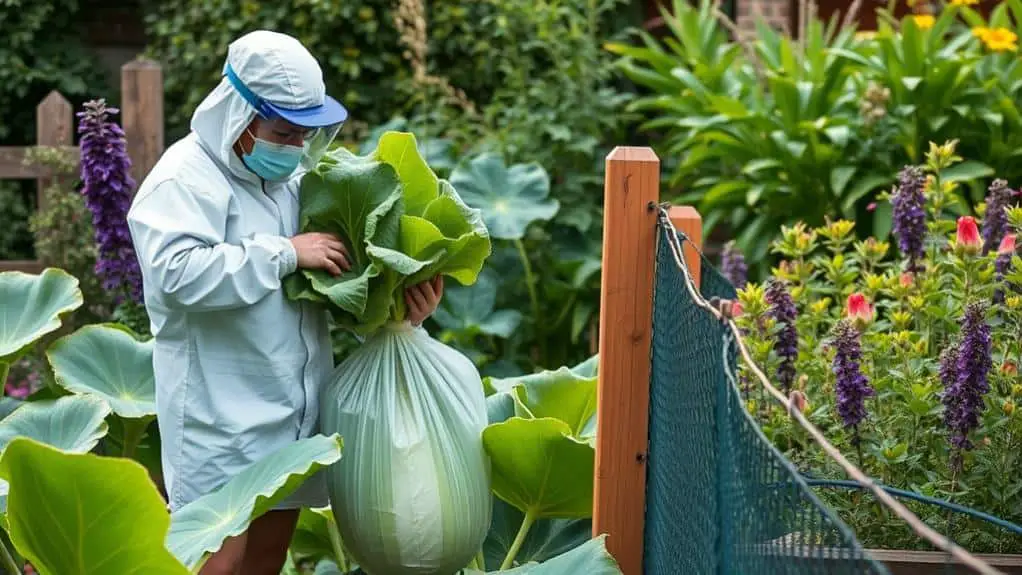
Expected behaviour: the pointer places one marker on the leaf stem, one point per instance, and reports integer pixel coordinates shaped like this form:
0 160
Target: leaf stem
530 283
10 565
134 431
5 370
530 518
340 557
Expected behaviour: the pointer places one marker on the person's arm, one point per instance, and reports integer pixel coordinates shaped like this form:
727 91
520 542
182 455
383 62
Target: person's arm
179 234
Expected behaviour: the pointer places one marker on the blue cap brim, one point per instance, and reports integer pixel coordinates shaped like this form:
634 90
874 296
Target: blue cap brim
328 114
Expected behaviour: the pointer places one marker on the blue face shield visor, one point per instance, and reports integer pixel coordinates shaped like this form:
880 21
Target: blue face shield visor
321 123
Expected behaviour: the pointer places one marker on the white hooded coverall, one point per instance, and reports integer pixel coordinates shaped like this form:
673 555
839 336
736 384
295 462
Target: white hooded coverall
238 366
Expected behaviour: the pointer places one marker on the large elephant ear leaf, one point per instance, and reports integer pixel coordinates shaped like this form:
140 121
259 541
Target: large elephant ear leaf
33 305
540 467
471 309
201 526
108 361
85 514
73 423
510 198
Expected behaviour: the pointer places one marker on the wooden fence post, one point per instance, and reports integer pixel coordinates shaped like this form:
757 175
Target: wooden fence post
142 114
686 219
631 183
53 124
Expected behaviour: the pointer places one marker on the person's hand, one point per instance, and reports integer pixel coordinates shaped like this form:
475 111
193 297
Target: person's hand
423 298
321 251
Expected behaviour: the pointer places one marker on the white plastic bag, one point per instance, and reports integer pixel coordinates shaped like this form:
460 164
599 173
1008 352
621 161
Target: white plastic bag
411 494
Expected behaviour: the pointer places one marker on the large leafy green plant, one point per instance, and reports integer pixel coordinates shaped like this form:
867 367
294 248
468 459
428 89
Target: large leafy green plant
104 387
762 132
400 223
769 130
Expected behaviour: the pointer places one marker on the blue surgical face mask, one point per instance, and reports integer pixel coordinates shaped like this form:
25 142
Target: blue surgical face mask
272 161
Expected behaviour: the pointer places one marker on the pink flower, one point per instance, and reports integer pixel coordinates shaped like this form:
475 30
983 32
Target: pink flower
17 392
906 279
858 310
1007 245
968 239
871 207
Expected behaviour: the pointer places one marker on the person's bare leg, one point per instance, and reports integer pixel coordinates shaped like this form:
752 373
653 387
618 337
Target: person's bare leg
228 559
267 543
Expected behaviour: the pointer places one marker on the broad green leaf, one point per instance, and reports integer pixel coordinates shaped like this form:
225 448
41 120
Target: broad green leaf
84 514
547 538
74 423
470 309
418 182
590 558
539 467
450 239
966 171
201 526
108 361
33 305
359 199
561 394
510 198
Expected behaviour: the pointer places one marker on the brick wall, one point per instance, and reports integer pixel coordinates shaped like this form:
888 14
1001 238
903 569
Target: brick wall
776 13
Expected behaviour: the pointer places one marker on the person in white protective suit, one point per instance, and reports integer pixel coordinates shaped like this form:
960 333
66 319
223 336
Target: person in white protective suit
215 226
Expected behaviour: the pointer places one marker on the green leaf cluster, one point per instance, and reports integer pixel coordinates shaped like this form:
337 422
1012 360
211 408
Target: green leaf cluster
401 226
70 457
772 130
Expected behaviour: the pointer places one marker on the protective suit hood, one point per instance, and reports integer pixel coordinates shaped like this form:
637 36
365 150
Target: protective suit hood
271 74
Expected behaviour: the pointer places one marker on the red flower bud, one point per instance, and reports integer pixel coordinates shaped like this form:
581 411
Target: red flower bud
1007 245
968 239
858 310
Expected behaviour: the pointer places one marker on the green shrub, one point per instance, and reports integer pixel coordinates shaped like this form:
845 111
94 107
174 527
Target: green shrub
773 130
41 51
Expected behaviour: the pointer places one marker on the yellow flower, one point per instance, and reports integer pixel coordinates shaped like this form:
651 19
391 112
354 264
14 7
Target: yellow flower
997 39
924 21
964 2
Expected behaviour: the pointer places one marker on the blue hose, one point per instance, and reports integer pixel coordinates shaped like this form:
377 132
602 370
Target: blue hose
1008 525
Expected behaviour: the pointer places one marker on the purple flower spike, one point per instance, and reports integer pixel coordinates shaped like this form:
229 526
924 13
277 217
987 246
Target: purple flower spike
909 217
732 264
966 383
852 387
107 187
995 222
782 310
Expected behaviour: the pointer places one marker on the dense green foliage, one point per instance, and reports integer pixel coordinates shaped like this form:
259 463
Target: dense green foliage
774 130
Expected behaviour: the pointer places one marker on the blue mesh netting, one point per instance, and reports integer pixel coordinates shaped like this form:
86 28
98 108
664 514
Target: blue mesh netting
720 498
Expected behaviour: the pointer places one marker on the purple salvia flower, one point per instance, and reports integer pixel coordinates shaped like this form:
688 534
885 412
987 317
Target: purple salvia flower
107 187
782 310
995 221
852 387
963 393
732 264
909 217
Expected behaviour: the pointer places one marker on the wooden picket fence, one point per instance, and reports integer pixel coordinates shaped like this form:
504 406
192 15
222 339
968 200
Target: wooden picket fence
141 117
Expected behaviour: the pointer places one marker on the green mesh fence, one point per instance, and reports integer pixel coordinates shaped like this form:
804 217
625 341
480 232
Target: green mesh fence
720 499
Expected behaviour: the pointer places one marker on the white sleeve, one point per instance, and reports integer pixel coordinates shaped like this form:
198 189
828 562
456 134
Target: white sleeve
178 234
